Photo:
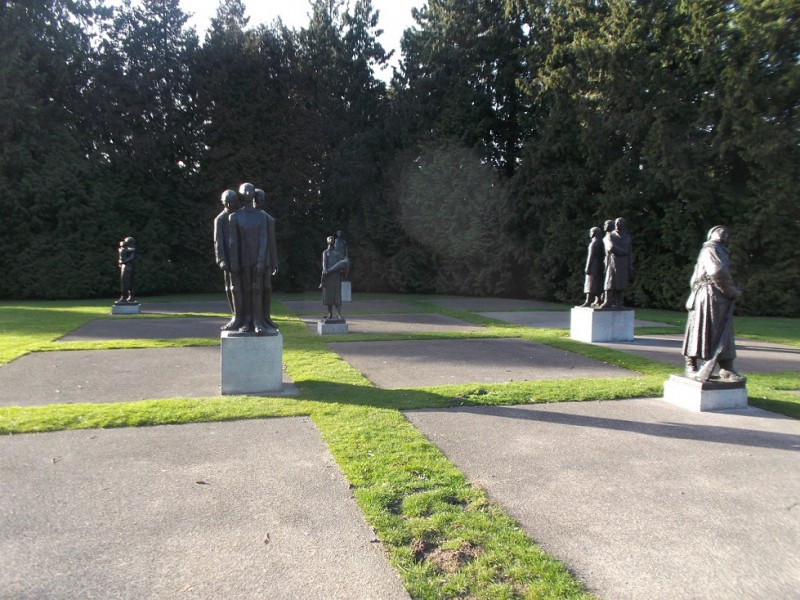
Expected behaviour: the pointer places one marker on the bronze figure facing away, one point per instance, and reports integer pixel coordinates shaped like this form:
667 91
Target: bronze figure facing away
619 265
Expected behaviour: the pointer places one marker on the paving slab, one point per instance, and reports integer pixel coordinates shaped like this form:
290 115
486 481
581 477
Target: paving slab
247 509
151 329
100 376
400 323
752 356
639 498
315 307
416 363
494 304
548 319
210 306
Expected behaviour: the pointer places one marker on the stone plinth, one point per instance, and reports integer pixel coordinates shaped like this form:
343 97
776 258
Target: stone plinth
601 325
331 326
347 291
699 396
126 308
251 364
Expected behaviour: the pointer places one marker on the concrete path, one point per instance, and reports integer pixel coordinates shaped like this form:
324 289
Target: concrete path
99 376
445 362
494 304
752 356
548 319
248 509
401 323
315 307
641 499
149 329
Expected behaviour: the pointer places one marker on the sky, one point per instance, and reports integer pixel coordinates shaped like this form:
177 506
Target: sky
395 17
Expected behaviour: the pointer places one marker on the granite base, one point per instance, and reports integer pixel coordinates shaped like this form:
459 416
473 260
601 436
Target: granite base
601 325
701 396
251 364
331 326
126 309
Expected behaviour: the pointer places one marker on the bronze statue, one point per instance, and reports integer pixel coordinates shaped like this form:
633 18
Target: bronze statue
709 326
259 202
230 201
332 270
249 260
340 245
127 252
619 265
593 283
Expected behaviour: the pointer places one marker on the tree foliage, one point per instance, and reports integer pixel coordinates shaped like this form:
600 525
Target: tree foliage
509 129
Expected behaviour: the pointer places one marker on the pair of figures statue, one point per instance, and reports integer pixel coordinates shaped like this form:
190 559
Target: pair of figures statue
335 269
245 249
609 265
127 252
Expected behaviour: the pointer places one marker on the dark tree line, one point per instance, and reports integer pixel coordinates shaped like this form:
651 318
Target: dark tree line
510 128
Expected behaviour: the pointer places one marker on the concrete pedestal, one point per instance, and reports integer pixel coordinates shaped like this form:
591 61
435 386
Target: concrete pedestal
347 291
331 326
595 325
126 309
251 364
700 396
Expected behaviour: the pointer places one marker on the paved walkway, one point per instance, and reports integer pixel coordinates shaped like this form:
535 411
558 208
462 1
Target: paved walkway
640 498
247 509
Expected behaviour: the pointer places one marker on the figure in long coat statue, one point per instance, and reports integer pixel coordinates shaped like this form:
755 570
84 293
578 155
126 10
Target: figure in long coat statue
333 269
709 327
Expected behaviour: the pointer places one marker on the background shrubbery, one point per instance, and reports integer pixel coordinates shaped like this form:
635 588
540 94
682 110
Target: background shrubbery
511 128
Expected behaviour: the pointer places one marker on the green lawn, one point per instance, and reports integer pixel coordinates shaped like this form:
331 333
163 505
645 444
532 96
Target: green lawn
444 536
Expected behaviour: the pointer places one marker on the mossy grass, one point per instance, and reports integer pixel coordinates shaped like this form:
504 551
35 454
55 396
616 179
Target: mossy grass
446 538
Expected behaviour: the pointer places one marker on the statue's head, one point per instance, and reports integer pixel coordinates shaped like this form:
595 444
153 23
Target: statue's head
595 232
608 225
259 198
330 240
719 233
247 192
129 242
619 224
339 233
229 199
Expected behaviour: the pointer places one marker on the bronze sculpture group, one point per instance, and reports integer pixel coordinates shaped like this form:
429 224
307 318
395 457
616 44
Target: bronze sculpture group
609 266
126 252
245 249
335 265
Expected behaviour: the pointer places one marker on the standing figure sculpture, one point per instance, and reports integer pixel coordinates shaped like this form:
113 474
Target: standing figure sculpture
248 258
259 202
619 265
127 252
222 235
333 269
709 326
340 245
595 263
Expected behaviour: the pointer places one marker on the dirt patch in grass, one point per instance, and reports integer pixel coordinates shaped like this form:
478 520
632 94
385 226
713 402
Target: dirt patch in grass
446 561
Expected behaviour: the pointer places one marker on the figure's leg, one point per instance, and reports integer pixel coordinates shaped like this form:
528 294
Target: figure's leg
237 300
588 300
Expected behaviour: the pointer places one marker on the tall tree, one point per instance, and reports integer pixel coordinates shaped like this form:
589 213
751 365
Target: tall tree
150 129
49 228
